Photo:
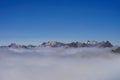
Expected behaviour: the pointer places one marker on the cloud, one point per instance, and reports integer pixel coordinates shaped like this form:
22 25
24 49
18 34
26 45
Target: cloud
59 64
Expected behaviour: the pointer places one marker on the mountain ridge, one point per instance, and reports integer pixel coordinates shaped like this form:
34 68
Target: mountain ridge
56 44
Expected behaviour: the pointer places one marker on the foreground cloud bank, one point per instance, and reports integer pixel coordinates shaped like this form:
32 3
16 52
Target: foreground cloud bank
46 63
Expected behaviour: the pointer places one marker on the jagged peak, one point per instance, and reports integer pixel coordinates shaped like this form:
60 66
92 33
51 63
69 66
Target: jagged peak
103 44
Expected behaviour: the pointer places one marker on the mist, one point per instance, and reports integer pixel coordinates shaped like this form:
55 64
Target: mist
59 64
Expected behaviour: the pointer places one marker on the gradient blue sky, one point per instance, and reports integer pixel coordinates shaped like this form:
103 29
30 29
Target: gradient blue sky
34 21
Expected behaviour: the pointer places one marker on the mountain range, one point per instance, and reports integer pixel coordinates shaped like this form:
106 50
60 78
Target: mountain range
54 44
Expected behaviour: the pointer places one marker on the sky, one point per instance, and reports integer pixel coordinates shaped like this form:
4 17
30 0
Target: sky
35 21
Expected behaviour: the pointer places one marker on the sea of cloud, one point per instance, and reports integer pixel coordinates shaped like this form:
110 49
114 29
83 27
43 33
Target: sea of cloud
59 64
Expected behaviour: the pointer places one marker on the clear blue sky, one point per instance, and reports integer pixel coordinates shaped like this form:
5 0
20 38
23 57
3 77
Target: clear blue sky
34 21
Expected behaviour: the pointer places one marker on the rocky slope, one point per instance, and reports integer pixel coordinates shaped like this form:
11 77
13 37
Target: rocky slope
103 44
117 50
54 44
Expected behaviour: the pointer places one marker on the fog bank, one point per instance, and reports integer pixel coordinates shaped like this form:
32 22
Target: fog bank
59 64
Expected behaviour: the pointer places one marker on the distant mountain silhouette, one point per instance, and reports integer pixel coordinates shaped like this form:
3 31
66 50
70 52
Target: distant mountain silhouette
117 50
77 44
54 44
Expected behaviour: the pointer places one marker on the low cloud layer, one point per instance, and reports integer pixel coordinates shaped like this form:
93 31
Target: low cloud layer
59 64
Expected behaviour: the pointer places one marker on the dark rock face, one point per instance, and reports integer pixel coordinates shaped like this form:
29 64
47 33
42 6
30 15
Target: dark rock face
78 44
14 45
68 45
106 44
59 44
84 45
52 44
30 46
117 50
73 44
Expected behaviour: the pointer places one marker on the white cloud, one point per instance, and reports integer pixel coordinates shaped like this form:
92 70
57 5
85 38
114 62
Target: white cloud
59 64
